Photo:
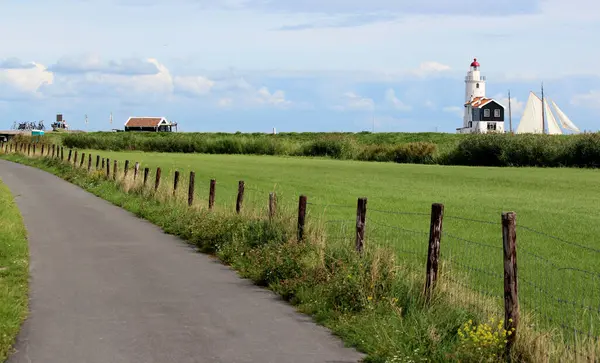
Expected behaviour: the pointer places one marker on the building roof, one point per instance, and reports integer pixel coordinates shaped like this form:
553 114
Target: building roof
479 102
475 63
145 121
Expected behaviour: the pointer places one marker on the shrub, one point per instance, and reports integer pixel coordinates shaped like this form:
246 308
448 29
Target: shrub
334 147
583 151
415 152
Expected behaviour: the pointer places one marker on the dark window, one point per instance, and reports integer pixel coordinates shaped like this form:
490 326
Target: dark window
491 126
486 113
477 85
497 112
470 124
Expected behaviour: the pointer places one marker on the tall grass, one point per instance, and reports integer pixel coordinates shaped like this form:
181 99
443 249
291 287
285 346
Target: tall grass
476 150
373 301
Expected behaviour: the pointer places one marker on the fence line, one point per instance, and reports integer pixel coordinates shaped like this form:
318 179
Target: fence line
498 262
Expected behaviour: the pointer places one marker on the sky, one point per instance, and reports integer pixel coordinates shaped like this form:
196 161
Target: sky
310 65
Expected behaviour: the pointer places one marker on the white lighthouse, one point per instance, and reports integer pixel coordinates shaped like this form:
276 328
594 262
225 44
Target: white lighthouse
474 82
482 114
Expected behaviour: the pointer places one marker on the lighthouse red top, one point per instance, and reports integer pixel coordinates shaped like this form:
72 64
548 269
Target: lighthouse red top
475 63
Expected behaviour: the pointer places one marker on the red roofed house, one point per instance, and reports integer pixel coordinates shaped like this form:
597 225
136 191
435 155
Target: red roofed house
482 114
156 124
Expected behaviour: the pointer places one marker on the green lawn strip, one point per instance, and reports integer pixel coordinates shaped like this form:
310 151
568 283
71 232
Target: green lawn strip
14 271
370 302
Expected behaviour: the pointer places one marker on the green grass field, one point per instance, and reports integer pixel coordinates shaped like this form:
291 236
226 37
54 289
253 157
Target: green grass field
559 275
13 271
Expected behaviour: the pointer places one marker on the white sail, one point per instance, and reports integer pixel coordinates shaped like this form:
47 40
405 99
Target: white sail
564 120
553 128
531 121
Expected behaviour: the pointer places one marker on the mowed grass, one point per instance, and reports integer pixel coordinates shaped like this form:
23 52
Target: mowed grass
13 271
559 276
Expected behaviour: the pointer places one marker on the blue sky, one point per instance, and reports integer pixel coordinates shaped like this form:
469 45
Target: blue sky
310 65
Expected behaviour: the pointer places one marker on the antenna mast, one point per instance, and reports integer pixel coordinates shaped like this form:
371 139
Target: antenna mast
509 113
543 112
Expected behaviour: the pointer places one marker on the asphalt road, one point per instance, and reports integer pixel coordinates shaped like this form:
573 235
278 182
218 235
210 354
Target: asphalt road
108 287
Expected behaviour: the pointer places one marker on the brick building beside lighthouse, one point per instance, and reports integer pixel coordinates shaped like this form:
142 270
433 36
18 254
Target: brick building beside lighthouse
482 115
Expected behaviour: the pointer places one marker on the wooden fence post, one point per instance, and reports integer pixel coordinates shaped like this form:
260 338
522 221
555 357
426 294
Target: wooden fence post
511 295
103 163
136 169
33 149
211 194
157 181
82 160
115 170
89 162
361 216
272 205
146 171
301 216
53 150
433 252
69 158
175 181
107 168
28 149
42 150
125 169
98 162
75 159
62 153
240 196
191 188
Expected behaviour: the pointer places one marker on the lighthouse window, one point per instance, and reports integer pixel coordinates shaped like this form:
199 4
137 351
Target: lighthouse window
497 112
477 85
486 113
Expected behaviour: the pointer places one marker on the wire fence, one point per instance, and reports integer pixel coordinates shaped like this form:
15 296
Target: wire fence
558 280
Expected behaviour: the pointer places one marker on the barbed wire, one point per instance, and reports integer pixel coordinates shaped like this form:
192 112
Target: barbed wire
400 228
558 299
399 212
444 234
330 205
559 239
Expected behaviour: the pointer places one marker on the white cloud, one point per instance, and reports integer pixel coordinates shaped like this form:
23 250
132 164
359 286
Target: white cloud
26 80
430 68
587 100
277 98
196 85
352 101
390 97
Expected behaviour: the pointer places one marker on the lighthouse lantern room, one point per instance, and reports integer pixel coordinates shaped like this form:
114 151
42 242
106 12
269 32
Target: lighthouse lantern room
482 114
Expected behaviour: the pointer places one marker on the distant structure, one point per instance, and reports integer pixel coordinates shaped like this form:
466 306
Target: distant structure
60 124
539 119
482 115
153 124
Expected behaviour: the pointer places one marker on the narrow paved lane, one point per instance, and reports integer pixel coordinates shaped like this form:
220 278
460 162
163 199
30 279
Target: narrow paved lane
108 287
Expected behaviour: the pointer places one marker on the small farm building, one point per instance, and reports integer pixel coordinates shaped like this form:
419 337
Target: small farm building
156 124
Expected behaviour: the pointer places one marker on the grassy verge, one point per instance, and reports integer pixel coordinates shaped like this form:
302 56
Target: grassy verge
14 271
373 302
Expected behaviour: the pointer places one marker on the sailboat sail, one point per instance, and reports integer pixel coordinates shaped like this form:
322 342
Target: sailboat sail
531 121
553 128
564 119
